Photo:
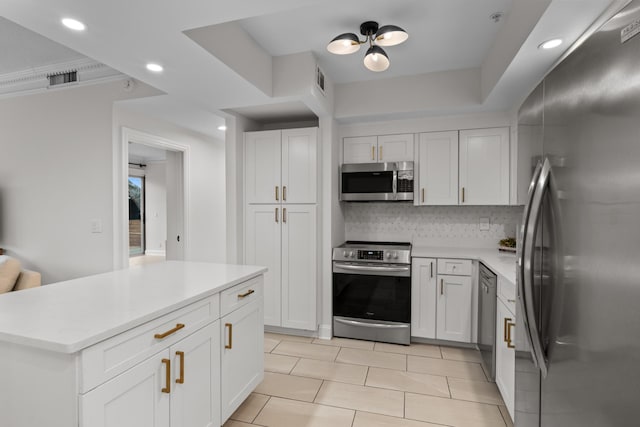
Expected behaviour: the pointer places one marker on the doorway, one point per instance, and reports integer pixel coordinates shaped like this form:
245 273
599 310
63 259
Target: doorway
150 199
137 215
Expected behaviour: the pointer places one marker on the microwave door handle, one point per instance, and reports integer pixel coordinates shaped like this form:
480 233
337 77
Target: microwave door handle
395 184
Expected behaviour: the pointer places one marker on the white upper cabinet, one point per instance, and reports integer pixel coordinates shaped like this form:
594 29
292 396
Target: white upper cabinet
281 166
374 149
395 148
299 165
361 149
484 166
263 166
437 169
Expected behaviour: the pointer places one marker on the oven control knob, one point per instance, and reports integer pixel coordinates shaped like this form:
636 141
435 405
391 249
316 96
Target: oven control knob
344 253
351 254
395 255
388 255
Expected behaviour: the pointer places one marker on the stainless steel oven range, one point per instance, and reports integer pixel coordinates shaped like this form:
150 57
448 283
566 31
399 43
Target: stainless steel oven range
372 291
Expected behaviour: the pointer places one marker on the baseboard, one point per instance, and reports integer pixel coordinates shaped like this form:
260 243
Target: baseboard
152 252
290 331
324 332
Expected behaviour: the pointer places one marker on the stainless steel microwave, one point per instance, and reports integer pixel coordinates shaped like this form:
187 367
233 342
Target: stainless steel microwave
367 182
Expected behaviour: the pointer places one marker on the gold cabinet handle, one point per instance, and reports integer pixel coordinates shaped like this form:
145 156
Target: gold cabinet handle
441 286
284 214
169 332
180 354
277 195
230 326
509 340
246 294
380 153
431 269
284 193
462 194
167 387
423 195
505 328
373 153
276 214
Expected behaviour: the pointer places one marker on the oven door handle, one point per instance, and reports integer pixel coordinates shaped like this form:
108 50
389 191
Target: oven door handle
362 269
372 325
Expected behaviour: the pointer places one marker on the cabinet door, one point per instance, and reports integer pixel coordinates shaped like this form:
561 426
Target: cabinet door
423 297
263 166
437 168
299 165
484 167
263 247
395 148
505 356
454 308
361 149
195 391
132 399
299 272
242 364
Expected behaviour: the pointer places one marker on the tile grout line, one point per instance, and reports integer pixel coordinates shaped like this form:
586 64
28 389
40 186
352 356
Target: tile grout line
261 409
318 392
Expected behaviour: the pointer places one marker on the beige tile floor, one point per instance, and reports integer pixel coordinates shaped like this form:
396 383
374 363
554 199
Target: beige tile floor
350 383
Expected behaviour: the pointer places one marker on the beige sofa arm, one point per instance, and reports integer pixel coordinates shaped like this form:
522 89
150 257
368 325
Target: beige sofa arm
28 279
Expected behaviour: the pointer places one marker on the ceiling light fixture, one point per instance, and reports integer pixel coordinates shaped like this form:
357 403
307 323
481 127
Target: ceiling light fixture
376 58
550 44
73 24
156 68
223 128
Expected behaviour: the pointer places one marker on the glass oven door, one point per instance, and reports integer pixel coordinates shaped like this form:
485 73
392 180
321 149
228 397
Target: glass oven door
373 292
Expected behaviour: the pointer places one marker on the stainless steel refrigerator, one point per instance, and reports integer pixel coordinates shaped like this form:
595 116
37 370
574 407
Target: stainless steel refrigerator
578 311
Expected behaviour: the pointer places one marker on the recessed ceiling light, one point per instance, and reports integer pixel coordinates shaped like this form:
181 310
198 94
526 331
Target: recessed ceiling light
73 24
223 127
156 68
550 44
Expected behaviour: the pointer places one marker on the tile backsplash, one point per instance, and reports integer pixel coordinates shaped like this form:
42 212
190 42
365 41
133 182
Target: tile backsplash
431 225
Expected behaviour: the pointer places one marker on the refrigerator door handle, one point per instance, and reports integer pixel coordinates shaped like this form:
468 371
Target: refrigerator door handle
520 254
528 258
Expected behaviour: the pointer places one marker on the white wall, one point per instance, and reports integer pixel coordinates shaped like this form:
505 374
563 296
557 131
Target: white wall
207 201
155 208
56 177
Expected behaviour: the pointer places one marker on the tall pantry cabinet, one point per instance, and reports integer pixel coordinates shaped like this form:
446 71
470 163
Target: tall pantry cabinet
280 222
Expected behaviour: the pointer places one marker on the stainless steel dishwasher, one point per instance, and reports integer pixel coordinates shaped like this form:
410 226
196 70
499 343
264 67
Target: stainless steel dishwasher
487 299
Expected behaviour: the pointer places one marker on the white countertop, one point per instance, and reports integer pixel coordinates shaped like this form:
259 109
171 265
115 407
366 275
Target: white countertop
70 316
502 263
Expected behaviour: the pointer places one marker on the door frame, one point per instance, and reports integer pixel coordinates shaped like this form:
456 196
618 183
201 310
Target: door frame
120 189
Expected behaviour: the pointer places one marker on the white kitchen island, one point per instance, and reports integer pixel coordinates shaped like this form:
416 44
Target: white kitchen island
169 344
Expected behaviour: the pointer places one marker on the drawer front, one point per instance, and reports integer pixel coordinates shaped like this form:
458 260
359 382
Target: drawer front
454 267
239 295
115 355
507 293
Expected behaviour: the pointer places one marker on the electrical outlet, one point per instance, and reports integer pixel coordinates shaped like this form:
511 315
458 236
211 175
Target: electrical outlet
484 224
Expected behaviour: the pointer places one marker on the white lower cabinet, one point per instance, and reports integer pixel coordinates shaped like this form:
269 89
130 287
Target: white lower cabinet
176 387
454 308
193 380
242 355
283 238
441 304
132 399
423 297
505 354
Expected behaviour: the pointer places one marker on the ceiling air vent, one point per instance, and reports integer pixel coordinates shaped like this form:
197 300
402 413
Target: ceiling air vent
64 78
320 79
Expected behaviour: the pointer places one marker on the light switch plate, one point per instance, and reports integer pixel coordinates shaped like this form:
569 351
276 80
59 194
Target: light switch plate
96 225
484 224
